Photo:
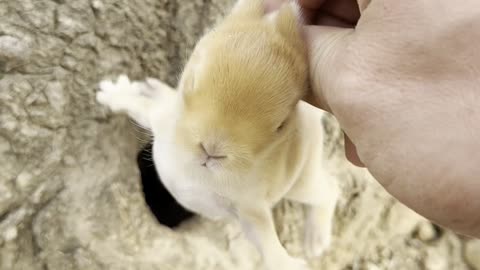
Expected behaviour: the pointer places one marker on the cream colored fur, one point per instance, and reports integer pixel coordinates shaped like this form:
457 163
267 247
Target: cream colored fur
235 139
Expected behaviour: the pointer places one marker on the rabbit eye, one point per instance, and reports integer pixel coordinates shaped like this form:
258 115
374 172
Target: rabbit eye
281 126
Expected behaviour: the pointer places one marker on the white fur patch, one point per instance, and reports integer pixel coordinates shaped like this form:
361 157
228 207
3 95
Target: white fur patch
271 17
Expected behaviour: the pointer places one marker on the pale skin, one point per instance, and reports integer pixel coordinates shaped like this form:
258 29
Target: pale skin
403 80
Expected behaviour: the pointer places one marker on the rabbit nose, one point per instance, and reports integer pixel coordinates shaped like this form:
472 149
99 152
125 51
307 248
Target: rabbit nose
210 152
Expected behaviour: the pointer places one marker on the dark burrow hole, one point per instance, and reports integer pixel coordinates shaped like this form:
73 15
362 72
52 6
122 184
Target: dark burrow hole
162 204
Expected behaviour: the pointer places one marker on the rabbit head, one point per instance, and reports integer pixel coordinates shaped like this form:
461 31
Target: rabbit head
240 88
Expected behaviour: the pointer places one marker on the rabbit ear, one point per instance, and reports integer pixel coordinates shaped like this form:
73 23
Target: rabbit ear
286 21
186 84
248 8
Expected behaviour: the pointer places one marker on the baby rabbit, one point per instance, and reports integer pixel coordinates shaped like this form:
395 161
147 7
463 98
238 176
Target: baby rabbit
235 139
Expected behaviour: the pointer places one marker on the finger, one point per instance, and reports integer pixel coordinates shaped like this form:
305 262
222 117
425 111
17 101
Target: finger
327 19
346 10
311 4
310 9
308 15
351 152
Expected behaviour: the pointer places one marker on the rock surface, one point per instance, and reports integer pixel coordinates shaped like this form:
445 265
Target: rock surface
70 196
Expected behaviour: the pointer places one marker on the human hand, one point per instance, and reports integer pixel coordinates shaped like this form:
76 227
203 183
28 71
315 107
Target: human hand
405 88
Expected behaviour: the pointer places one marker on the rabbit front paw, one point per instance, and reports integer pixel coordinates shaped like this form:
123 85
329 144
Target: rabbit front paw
316 241
118 95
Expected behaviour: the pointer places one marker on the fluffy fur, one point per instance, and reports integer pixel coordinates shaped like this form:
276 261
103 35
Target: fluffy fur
234 139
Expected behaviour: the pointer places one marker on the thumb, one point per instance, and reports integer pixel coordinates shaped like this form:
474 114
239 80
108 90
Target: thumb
326 46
